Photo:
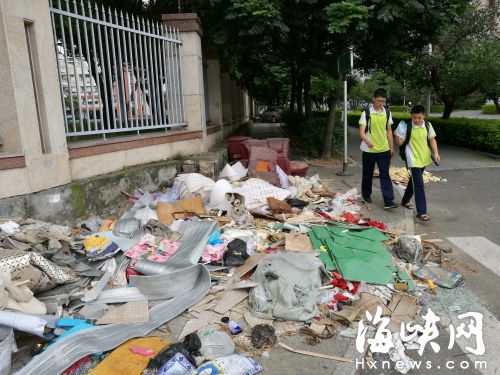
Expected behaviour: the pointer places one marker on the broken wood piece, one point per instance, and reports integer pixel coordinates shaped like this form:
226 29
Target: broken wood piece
128 195
326 287
314 354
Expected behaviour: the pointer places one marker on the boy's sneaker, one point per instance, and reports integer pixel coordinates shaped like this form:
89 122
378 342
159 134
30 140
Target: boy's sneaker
367 199
390 205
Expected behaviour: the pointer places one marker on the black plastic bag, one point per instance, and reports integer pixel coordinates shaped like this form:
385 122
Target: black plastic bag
236 253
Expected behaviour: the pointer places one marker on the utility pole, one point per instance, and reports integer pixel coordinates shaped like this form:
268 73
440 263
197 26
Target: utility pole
345 63
428 99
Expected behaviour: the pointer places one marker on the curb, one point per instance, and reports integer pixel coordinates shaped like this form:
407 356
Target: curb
409 220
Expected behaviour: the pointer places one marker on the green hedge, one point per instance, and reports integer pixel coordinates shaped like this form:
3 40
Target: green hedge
437 108
398 108
310 132
477 134
489 109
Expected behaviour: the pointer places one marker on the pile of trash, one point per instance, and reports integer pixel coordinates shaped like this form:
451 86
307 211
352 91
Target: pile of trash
242 260
401 176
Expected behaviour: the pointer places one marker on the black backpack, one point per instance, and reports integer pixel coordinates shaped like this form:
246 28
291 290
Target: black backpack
368 118
402 148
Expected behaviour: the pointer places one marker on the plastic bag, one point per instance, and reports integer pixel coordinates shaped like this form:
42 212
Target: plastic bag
177 365
236 253
7 346
345 203
215 344
231 365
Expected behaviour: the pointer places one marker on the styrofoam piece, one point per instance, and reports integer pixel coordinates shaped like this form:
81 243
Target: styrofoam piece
218 195
285 184
233 172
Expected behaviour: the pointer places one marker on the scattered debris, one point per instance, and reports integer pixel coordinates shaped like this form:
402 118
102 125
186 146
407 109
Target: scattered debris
313 354
243 261
401 176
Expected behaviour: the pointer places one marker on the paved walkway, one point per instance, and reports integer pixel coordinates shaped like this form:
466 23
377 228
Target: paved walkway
470 113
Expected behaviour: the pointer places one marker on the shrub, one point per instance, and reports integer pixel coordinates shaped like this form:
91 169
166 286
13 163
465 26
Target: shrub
310 132
398 108
437 108
478 134
474 101
489 109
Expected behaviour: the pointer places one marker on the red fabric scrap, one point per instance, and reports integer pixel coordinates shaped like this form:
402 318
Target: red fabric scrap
340 297
377 224
326 216
75 366
350 218
339 282
130 271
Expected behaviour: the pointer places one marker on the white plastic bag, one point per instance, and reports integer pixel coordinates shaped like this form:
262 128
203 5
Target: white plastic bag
7 347
215 344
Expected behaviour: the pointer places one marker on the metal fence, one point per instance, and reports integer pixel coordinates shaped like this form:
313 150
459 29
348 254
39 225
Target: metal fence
117 72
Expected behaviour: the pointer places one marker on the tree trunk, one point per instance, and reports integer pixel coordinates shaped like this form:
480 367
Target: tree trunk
293 93
448 107
300 85
307 96
497 105
326 151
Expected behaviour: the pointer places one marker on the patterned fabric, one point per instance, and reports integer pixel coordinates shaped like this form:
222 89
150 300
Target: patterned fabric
177 365
153 248
19 263
256 192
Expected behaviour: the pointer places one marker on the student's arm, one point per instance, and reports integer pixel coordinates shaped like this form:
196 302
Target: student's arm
390 138
399 141
400 133
363 136
434 147
362 127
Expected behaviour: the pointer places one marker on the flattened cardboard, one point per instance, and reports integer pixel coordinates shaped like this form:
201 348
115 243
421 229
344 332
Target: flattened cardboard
404 308
298 242
250 264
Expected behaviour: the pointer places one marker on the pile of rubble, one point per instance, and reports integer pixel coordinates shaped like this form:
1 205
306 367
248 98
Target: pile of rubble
401 176
240 261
